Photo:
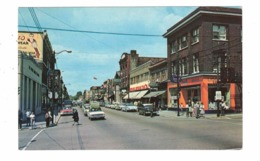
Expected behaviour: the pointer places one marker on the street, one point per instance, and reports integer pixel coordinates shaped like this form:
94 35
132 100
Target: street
131 131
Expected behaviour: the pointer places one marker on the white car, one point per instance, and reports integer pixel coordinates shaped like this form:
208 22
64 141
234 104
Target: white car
85 108
96 113
129 107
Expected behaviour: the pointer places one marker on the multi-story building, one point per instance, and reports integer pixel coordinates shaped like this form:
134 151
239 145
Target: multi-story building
158 83
199 46
134 74
29 83
37 45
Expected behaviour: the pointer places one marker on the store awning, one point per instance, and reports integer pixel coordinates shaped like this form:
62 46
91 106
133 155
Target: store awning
154 94
131 95
140 94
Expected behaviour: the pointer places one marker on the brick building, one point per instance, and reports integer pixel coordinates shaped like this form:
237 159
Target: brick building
198 47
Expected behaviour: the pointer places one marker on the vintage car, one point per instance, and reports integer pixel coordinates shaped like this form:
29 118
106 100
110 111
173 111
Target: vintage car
95 113
129 107
145 109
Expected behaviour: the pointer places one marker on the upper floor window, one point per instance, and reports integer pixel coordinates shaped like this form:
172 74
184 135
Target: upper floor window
174 46
219 32
183 42
195 35
195 63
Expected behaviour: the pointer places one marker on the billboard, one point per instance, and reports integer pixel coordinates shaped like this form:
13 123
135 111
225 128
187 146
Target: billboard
31 43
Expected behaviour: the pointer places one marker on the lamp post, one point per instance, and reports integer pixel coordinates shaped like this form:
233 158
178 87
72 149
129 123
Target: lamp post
55 74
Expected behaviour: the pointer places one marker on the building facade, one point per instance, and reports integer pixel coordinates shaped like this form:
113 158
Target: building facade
29 84
199 47
37 45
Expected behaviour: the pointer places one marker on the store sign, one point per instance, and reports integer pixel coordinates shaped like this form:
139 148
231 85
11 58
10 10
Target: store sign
218 96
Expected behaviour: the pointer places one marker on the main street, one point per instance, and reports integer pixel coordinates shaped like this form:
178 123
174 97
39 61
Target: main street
130 131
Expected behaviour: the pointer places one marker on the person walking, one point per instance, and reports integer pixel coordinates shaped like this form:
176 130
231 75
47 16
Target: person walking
28 119
20 119
202 111
47 119
75 116
190 108
197 110
32 117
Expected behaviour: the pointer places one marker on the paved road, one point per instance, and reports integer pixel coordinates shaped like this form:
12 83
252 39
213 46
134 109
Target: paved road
128 130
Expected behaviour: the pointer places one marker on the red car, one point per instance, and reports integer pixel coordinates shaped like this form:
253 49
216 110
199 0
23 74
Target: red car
67 108
66 111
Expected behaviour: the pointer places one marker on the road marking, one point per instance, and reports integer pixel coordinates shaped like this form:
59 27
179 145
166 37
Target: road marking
32 140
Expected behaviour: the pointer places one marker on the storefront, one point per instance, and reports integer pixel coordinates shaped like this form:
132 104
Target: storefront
200 88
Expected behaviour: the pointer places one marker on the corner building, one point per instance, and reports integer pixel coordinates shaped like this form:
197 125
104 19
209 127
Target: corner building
198 47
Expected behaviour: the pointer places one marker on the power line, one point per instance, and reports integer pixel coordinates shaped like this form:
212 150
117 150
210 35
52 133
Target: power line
93 32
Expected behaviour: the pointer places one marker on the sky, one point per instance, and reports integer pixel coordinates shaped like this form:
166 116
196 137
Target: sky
98 55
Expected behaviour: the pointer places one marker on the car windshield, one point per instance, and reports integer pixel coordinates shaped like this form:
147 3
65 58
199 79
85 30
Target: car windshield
95 109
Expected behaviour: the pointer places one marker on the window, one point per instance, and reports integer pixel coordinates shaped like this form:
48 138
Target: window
195 63
183 42
173 68
174 46
195 36
219 32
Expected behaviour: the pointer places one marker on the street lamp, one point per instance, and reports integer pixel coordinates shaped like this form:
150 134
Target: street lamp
68 51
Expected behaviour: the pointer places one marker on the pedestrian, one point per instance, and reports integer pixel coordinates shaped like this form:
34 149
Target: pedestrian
202 111
75 116
197 110
28 119
187 110
32 117
50 116
20 119
47 119
191 104
224 107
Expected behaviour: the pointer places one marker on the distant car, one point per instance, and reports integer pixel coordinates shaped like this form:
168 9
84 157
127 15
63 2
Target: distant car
119 106
114 105
85 108
96 113
66 111
107 105
129 107
145 109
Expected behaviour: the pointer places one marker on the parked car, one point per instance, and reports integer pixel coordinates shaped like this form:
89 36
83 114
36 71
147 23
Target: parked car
85 108
114 105
145 109
129 107
107 105
119 106
95 113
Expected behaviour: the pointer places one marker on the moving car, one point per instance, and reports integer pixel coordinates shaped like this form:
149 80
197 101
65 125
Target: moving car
66 111
66 108
85 108
145 109
95 113
129 107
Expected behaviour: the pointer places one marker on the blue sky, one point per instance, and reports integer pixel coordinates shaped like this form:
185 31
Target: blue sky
98 54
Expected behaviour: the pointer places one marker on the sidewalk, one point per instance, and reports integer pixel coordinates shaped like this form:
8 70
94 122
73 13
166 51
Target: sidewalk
40 122
173 114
